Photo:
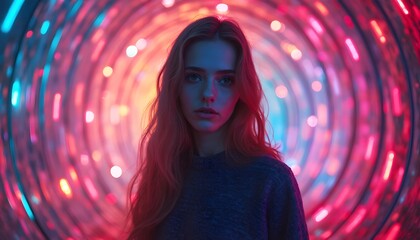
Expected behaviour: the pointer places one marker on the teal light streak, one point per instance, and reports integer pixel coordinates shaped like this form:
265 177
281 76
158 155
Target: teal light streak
75 8
22 196
27 207
56 39
11 15
15 92
99 20
45 26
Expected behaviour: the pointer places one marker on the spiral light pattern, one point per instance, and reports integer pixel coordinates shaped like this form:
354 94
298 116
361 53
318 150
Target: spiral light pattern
341 78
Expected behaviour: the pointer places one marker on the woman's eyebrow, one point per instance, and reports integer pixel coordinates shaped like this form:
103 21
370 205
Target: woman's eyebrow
198 69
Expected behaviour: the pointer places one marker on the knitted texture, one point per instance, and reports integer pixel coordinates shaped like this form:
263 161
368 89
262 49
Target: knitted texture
260 200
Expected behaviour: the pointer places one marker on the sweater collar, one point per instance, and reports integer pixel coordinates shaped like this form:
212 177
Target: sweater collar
209 162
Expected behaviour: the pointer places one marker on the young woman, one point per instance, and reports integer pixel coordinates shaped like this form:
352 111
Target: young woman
206 168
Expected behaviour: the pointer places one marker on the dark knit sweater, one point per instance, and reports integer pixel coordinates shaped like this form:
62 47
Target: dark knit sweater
260 200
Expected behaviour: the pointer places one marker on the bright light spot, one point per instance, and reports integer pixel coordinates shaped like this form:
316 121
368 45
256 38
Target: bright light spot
222 8
352 49
369 148
377 30
382 39
296 54
315 24
276 26
56 106
96 155
321 214
65 188
107 71
141 44
11 15
359 215
312 121
116 171
131 51
15 93
389 162
89 116
321 8
91 188
281 91
123 110
44 28
393 231
168 3
29 33
316 86
402 6
73 174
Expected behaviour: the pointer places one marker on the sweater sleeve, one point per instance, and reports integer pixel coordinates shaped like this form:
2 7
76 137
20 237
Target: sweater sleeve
285 214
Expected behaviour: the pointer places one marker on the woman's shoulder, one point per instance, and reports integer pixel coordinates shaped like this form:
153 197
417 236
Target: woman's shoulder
277 174
272 166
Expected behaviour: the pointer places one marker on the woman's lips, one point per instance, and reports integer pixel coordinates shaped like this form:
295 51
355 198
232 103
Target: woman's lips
206 112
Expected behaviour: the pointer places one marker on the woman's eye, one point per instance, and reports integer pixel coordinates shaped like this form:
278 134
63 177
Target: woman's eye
193 77
226 80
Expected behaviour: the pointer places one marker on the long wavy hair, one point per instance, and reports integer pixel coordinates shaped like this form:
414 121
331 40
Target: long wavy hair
166 147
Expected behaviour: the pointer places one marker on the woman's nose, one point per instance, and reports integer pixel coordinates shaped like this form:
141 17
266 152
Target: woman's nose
209 91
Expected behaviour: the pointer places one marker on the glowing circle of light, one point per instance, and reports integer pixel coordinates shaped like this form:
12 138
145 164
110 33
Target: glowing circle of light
131 51
90 116
168 3
340 80
222 8
116 171
107 71
141 44
276 25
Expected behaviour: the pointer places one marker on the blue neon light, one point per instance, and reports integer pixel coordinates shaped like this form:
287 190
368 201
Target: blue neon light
44 27
15 93
11 15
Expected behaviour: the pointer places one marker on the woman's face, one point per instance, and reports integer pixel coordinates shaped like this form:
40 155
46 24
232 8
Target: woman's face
209 96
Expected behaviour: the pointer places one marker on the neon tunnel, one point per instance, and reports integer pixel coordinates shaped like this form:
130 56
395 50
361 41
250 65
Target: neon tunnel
342 86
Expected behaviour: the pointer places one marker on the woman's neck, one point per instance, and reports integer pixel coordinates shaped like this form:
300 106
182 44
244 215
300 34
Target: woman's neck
208 144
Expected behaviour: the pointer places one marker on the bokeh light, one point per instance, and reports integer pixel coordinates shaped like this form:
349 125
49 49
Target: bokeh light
341 80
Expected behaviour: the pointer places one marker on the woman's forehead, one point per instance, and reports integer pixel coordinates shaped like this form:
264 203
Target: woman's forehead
211 55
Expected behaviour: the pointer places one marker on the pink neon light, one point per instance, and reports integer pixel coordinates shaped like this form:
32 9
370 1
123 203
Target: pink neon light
402 6
399 179
91 188
98 49
89 117
392 234
390 160
360 214
315 24
397 101
378 31
352 49
321 215
56 106
32 129
368 154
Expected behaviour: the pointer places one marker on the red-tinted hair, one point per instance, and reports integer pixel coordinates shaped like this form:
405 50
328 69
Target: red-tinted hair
167 146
